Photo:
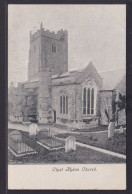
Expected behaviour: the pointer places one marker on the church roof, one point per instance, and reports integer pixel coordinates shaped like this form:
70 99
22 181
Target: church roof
76 76
111 79
65 78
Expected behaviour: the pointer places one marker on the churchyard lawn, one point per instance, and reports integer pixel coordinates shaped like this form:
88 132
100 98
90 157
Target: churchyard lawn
116 144
100 128
81 155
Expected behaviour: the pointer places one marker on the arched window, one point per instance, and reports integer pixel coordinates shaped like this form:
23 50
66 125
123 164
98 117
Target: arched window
84 101
92 101
63 104
89 99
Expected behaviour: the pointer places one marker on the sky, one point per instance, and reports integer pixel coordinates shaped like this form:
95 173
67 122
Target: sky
96 33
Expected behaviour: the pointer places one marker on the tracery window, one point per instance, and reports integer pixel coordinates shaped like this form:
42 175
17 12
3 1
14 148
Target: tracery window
89 99
64 104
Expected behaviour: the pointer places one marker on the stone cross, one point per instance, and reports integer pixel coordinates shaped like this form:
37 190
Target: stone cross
70 144
111 129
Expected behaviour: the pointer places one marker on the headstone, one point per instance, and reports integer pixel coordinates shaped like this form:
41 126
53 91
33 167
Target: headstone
33 129
111 129
121 130
70 144
49 133
16 136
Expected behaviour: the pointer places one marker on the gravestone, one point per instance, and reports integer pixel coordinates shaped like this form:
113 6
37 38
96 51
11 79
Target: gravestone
70 144
49 133
33 129
121 130
16 136
111 129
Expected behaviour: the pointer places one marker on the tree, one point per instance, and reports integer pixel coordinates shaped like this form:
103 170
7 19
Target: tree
121 102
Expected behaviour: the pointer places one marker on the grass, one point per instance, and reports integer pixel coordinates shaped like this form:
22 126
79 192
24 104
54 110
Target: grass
81 155
116 144
99 128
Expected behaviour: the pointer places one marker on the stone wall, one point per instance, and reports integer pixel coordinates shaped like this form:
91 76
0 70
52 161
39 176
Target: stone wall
21 103
34 60
14 102
44 98
56 61
41 55
74 118
67 90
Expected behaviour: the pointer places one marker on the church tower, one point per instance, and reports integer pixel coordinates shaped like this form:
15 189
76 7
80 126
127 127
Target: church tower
48 55
48 50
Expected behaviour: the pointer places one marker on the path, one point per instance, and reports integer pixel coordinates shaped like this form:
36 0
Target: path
56 128
40 127
102 150
62 130
98 149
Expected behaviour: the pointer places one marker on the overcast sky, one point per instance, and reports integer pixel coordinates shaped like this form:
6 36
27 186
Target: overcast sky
95 32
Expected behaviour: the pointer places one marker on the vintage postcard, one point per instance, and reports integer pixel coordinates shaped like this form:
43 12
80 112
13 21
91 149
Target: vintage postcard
67 96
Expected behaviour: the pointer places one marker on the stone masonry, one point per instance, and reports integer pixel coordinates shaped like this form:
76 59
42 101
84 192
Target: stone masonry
49 79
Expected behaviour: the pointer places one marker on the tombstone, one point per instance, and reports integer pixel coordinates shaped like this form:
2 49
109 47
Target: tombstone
33 129
70 144
121 130
16 136
49 132
111 129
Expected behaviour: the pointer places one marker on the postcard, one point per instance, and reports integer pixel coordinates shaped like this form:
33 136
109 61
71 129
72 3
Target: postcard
67 96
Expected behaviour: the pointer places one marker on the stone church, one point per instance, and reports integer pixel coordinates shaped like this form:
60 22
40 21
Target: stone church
82 98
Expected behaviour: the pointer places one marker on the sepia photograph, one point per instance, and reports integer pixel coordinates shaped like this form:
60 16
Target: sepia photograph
67 88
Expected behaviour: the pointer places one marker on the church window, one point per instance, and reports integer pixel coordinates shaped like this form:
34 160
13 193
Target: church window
84 101
53 48
63 104
66 104
92 101
89 104
88 101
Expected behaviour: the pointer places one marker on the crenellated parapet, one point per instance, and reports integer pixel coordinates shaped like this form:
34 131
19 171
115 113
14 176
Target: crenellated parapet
59 35
48 52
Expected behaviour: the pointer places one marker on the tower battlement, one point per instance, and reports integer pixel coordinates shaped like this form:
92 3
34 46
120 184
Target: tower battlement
59 35
48 52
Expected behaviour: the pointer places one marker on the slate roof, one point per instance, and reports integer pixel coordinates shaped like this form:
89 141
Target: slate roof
110 79
76 76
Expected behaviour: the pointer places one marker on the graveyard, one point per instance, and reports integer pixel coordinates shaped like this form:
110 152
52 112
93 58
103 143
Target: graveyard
117 143
48 146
